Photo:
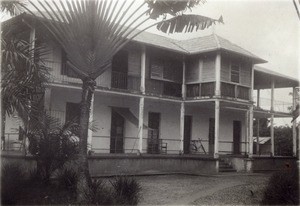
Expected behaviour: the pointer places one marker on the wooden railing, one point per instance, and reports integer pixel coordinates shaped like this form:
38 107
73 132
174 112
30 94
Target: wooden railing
200 89
235 91
118 80
159 87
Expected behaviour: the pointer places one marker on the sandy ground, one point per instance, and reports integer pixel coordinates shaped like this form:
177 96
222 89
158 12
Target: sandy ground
233 189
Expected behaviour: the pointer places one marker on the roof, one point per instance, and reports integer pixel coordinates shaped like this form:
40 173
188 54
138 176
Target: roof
263 77
191 46
262 140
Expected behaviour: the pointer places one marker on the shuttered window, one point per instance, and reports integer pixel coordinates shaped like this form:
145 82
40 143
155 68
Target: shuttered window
235 73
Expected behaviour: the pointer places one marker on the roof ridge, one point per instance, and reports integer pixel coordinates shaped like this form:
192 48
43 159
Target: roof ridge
216 37
174 42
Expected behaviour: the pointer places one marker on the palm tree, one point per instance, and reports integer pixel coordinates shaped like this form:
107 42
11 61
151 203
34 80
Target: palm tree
92 32
23 72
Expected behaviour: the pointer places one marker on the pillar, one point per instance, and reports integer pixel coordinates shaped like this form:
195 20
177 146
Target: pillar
250 153
181 128
143 69
217 128
258 98
141 123
218 74
247 131
272 135
257 137
183 86
294 124
47 99
272 94
90 132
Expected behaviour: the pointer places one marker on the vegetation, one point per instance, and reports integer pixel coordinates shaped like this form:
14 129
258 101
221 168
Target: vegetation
283 188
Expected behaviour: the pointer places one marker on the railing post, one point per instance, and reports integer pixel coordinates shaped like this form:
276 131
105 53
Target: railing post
217 128
182 112
141 123
143 69
218 74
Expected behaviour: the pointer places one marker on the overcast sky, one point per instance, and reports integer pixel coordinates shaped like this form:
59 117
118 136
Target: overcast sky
268 28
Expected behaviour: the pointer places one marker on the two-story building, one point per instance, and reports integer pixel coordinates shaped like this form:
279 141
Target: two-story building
167 105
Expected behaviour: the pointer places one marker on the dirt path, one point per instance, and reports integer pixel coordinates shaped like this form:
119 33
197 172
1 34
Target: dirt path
199 190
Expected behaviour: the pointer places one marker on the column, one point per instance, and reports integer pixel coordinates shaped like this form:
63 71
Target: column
272 94
258 98
257 137
90 132
218 74
272 135
183 86
181 128
143 69
141 123
294 124
250 131
247 131
217 128
47 99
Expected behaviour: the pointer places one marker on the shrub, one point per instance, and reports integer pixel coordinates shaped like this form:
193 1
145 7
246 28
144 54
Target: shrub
283 188
12 182
67 179
126 190
98 194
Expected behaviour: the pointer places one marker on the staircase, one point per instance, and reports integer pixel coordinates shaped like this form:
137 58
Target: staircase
224 166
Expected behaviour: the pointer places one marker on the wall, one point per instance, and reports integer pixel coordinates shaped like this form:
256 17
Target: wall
207 68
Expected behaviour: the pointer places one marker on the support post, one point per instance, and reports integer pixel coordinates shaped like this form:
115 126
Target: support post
247 131
143 69
272 135
294 124
258 98
250 131
141 123
257 138
218 74
47 99
182 112
272 94
217 128
90 132
183 86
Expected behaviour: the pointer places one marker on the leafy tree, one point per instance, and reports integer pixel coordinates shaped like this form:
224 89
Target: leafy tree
92 32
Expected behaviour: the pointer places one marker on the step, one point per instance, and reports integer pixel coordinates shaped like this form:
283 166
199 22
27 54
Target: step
227 170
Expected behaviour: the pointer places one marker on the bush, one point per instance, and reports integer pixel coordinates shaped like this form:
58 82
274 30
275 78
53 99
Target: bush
126 190
12 182
98 194
283 188
67 179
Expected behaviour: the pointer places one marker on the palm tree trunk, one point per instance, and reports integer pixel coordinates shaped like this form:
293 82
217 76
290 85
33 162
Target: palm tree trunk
84 178
3 119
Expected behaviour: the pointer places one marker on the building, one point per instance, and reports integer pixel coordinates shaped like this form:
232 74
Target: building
168 103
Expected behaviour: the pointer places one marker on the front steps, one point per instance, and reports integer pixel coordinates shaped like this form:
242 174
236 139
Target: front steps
225 166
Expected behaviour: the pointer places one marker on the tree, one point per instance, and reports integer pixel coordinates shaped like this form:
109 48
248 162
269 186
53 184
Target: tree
23 72
92 32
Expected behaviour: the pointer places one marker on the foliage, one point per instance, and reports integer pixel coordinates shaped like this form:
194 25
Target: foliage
126 190
12 181
52 144
283 140
283 188
67 179
98 194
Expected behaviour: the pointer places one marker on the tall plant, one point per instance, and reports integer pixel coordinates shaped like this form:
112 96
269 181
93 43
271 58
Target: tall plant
92 32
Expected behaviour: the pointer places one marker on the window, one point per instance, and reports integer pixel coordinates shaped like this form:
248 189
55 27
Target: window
235 73
65 68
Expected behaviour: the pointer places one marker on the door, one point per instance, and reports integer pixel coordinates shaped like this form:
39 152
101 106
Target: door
211 136
236 137
116 133
153 133
187 133
119 70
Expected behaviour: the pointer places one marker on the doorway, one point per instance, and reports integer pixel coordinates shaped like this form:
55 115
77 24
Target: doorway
211 136
187 134
119 70
153 133
236 137
117 133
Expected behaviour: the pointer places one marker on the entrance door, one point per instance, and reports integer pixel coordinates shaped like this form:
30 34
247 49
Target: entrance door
187 133
236 137
119 70
211 136
116 133
153 133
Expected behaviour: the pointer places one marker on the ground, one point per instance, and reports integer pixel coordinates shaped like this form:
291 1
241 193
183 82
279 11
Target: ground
233 188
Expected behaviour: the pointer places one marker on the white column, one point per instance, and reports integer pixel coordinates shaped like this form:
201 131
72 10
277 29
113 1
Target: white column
181 128
47 99
272 135
183 86
257 138
90 132
143 69
272 94
217 128
247 131
252 83
218 74
258 98
141 124
251 131
294 125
